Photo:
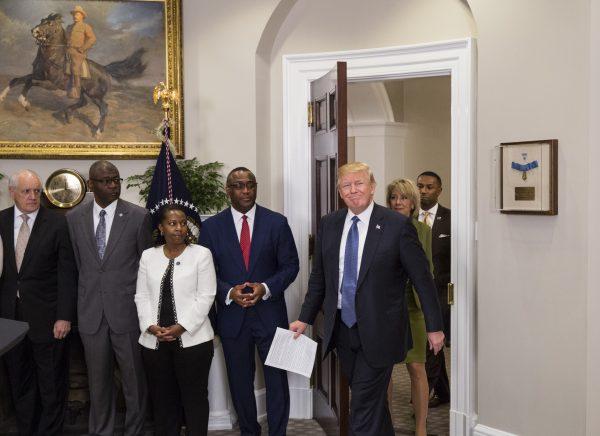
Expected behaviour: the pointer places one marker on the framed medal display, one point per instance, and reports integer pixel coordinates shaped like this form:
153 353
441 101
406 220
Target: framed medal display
529 177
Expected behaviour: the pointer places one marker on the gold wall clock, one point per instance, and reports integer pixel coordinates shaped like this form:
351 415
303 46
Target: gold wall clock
65 188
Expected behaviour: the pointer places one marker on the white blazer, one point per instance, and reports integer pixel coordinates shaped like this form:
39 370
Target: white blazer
194 288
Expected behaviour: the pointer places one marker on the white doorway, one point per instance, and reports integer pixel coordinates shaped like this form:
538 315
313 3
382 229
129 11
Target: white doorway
453 58
402 128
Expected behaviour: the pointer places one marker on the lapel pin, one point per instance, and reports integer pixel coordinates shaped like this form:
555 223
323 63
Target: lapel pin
120 214
378 227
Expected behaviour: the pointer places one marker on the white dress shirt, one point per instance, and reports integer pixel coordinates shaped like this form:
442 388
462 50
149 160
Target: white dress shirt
363 227
108 218
238 220
431 217
18 221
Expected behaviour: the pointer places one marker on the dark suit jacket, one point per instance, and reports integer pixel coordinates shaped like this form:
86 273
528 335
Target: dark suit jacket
273 260
392 253
47 281
440 248
107 286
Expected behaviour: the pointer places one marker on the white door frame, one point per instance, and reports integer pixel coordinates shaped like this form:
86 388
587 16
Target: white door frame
457 59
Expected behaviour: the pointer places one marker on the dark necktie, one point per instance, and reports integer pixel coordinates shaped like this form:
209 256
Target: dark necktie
350 275
245 241
101 234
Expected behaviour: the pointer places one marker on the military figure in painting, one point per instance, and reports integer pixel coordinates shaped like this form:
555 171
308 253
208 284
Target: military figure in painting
80 38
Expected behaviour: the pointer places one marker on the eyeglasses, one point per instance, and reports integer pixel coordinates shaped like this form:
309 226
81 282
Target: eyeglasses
239 186
109 180
36 191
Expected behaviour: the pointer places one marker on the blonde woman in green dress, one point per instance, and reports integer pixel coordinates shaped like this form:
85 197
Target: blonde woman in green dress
403 197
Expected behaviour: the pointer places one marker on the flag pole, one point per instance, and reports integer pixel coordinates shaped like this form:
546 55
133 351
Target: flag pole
168 98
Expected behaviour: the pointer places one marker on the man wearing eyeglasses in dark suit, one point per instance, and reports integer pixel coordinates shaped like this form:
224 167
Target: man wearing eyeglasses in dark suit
109 235
256 260
38 286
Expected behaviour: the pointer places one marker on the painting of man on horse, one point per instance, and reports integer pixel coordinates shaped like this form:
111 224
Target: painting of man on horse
61 68
80 38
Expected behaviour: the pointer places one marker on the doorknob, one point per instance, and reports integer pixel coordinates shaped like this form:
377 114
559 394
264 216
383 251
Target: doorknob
451 294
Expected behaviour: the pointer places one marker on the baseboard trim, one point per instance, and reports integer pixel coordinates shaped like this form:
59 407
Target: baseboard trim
483 430
220 421
261 403
301 403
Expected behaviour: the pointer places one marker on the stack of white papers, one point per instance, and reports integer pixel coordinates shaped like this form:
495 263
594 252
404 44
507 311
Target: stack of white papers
295 355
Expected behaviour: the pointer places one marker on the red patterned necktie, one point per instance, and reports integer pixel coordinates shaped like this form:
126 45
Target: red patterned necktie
245 241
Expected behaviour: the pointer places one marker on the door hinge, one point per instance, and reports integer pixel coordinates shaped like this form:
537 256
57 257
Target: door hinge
310 114
451 294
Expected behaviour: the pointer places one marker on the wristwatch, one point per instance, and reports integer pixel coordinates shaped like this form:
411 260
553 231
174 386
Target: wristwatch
65 188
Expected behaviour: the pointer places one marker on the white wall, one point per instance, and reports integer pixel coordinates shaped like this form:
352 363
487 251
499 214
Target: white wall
533 83
402 128
427 119
593 230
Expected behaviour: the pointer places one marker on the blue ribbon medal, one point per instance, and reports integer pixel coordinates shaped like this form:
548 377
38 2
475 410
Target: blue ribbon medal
525 166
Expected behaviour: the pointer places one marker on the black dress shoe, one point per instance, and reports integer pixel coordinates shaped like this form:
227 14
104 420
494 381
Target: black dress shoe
436 401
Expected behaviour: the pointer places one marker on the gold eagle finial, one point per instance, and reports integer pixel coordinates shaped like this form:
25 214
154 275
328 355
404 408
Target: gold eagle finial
168 97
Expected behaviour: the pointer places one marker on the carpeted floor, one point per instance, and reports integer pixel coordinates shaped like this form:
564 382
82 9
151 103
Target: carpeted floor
438 420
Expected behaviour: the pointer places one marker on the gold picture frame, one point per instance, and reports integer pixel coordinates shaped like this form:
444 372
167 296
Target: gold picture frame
129 138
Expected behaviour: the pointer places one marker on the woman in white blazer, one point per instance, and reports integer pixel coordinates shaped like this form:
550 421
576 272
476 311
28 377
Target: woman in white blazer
176 288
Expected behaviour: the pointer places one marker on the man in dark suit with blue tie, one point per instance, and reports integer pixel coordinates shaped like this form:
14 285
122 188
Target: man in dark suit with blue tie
109 235
363 258
256 260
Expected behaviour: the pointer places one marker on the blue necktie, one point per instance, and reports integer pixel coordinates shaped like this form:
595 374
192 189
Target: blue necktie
101 234
350 275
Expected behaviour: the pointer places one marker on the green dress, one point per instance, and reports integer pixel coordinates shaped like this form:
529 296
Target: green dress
417 319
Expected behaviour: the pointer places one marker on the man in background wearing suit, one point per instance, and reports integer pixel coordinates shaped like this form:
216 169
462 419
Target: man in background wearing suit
437 217
256 260
109 236
363 257
39 286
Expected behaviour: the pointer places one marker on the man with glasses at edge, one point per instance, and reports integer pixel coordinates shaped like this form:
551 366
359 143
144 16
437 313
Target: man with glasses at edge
256 260
109 235
38 286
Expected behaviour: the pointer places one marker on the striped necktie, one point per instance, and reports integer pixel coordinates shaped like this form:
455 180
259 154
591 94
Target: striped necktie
427 218
22 240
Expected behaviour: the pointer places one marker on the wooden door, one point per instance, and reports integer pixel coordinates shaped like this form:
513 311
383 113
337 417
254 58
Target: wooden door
329 151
